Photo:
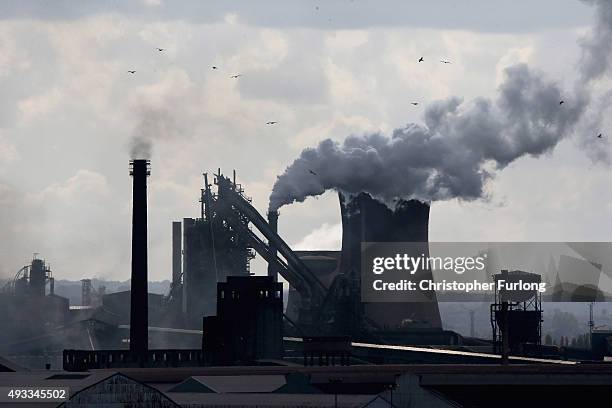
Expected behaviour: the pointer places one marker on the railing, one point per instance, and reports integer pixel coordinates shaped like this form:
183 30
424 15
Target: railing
82 360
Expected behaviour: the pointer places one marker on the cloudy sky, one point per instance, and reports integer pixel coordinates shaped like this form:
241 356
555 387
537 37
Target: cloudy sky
69 111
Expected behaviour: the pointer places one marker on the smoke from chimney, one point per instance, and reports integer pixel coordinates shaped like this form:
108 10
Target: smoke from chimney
458 149
154 123
461 146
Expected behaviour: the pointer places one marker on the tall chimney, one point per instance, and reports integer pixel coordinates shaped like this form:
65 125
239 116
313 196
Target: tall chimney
86 292
38 272
176 252
273 222
139 310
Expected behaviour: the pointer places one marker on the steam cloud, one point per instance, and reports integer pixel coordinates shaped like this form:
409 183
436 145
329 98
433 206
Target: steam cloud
597 46
461 146
452 156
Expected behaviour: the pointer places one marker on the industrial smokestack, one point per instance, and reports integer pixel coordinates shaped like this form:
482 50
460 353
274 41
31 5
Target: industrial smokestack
139 319
176 252
38 272
86 292
273 222
365 219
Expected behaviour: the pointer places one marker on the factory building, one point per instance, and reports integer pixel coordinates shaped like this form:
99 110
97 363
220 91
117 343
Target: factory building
212 251
249 322
365 219
30 310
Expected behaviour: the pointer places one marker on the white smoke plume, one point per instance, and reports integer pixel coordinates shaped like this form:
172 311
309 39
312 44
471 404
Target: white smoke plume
595 63
461 146
452 155
597 46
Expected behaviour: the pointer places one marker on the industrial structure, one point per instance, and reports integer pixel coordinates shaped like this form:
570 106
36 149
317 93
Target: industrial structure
324 296
30 309
327 347
212 251
214 300
248 325
31 280
516 315
211 279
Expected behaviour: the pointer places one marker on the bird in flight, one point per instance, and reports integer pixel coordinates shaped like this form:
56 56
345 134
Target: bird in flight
421 59
271 123
445 61
414 103
132 72
160 49
600 136
561 102
214 67
236 76
312 172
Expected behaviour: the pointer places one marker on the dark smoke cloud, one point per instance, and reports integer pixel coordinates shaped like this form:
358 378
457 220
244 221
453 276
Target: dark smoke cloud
597 46
155 123
460 146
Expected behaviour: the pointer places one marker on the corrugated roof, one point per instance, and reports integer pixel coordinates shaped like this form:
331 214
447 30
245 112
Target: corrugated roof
273 400
224 384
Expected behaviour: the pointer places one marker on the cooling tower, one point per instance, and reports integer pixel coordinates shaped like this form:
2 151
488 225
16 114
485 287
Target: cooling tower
365 219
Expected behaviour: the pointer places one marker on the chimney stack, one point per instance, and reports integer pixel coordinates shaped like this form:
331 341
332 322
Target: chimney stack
139 319
176 252
273 222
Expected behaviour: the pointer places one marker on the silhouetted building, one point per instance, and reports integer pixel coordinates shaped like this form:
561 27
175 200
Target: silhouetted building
365 219
86 292
601 344
118 304
212 251
28 313
248 324
516 315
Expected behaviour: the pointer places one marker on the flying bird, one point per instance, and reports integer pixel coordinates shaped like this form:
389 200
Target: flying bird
236 76
160 49
312 172
213 67
600 136
414 103
132 72
271 123
421 59
561 102
445 61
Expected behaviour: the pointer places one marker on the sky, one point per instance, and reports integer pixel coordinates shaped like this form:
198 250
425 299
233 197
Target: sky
69 112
